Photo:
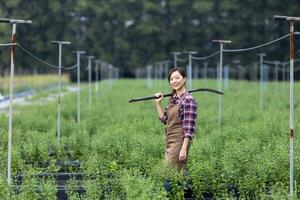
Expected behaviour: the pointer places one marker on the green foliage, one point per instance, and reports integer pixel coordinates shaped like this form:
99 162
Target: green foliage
137 186
120 146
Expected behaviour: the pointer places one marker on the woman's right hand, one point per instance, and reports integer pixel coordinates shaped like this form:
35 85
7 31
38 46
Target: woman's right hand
160 95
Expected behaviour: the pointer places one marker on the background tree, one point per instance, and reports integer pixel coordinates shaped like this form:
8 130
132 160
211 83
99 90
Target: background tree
133 33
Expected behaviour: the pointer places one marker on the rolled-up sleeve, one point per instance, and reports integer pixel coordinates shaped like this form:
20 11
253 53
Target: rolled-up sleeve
164 119
189 117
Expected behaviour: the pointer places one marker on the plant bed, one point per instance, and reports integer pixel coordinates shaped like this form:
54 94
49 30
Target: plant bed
65 182
62 166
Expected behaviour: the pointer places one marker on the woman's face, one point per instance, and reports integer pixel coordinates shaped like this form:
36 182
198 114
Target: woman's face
176 80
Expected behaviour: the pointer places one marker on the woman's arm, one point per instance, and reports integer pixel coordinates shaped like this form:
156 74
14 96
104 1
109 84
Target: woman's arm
184 149
189 125
160 110
189 116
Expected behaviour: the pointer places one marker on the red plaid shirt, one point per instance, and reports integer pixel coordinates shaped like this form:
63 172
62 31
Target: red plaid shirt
187 114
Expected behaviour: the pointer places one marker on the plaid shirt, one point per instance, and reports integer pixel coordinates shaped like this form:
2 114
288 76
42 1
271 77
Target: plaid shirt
187 114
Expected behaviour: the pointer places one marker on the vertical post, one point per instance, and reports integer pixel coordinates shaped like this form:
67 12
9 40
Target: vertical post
110 68
160 71
78 53
97 62
102 70
221 42
155 71
265 76
226 76
190 68
175 54
205 72
261 60
291 20
11 82
90 77
60 43
14 23
283 72
255 72
238 71
291 107
149 72
166 62
276 74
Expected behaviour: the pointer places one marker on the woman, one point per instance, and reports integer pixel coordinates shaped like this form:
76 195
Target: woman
179 118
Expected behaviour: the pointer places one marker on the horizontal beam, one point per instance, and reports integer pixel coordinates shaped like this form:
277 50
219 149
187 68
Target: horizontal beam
288 18
15 21
222 41
60 42
80 52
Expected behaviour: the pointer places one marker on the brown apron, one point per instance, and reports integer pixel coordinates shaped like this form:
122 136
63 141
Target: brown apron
174 136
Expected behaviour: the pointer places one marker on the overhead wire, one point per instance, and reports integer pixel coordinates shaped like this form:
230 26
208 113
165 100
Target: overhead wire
43 62
258 46
206 57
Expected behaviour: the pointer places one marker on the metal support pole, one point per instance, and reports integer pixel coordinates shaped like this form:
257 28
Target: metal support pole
221 42
175 54
60 43
261 60
97 63
276 74
160 71
226 76
90 77
205 73
291 20
156 75
149 79
14 23
190 68
11 82
110 68
78 53
283 72
291 107
166 68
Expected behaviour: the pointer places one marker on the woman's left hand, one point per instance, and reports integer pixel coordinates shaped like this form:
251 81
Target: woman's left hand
182 155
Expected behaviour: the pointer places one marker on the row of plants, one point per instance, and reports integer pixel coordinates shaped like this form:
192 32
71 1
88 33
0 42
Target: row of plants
119 147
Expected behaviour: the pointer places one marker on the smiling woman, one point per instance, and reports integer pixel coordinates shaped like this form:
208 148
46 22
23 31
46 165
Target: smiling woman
179 118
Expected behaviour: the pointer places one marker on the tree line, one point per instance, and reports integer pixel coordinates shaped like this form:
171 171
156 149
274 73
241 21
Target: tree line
134 33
